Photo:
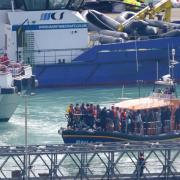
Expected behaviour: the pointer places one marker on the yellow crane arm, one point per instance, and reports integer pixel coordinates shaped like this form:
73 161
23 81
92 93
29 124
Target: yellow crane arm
162 6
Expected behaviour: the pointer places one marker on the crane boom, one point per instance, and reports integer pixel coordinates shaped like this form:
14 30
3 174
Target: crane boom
162 6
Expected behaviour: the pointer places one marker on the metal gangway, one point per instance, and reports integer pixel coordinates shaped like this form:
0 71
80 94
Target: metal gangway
104 161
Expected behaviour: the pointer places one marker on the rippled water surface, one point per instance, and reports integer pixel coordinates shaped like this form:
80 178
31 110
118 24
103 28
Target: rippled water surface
47 107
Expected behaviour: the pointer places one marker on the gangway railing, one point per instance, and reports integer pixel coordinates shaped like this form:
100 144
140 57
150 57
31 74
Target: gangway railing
92 161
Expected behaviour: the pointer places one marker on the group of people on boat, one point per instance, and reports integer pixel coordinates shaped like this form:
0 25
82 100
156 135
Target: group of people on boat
147 122
6 65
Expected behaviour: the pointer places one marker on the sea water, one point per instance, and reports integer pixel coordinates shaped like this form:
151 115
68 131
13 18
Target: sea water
46 114
46 111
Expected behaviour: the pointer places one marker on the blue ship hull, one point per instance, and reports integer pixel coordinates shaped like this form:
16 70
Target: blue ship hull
70 136
113 64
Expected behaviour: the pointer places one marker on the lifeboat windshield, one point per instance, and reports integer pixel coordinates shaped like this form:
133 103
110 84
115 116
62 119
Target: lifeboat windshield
165 86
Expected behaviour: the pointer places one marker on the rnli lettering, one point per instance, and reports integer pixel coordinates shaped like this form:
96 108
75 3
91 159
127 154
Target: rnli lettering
53 16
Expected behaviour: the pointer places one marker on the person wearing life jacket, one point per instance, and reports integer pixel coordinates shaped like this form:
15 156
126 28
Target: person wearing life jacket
70 112
113 112
123 120
116 119
103 117
113 116
97 113
139 121
91 116
77 114
4 59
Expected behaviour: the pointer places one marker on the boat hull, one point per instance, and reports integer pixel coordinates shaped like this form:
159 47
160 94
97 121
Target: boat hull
10 97
70 136
91 74
8 104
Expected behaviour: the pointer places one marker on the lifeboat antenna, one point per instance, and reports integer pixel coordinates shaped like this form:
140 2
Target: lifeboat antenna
172 64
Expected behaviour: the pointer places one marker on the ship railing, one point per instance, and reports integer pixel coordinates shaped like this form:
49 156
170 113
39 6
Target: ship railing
75 117
54 56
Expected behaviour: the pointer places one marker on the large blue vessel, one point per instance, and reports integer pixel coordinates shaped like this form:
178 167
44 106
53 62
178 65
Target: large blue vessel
113 64
54 38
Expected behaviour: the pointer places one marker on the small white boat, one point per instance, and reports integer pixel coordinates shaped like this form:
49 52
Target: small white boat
15 80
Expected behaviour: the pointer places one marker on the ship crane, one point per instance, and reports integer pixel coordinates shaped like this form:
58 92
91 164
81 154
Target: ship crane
151 11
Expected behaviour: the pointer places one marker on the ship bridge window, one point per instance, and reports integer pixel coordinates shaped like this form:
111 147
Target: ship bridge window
5 4
58 4
35 5
75 4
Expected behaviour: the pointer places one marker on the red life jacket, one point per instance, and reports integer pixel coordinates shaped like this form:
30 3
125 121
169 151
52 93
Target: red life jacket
115 113
123 115
4 60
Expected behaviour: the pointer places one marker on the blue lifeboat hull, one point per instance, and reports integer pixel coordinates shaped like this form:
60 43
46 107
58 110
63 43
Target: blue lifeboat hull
71 136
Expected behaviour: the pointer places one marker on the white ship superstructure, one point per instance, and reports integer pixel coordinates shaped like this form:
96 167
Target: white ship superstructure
8 98
15 81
